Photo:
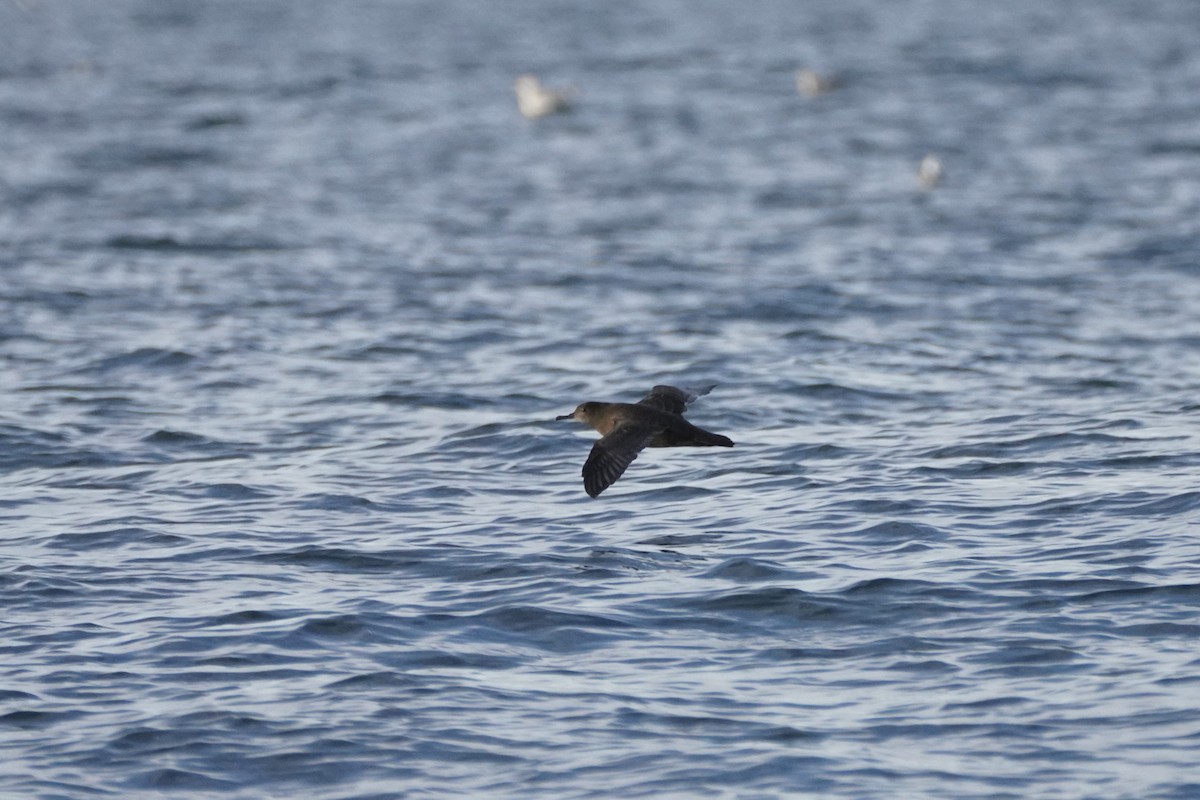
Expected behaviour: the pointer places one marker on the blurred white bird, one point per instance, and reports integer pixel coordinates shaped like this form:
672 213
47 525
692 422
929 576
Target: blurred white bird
535 100
929 171
811 84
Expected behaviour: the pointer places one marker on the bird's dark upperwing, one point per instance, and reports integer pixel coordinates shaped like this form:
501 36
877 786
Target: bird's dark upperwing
612 454
673 399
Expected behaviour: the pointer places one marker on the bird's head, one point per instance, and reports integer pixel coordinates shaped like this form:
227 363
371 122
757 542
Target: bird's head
583 413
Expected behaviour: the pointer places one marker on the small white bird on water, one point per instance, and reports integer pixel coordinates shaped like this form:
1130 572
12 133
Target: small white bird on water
812 84
535 100
929 171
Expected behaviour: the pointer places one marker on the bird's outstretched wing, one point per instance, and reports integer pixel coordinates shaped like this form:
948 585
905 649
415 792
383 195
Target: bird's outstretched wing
673 399
612 454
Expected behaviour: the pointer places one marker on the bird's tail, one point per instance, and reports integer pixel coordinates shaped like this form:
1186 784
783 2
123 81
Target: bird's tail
705 438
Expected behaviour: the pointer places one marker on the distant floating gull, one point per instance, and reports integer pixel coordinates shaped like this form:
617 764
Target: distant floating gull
810 84
535 100
929 172
625 428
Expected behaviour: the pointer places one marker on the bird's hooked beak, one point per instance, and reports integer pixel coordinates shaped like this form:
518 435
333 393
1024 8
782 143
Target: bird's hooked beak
566 416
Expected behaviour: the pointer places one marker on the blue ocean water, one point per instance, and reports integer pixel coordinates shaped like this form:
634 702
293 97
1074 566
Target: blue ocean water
290 296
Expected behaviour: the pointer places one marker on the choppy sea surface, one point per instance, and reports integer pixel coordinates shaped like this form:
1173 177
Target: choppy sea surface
290 296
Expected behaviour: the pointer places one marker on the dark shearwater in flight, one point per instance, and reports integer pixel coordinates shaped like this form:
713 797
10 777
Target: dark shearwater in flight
625 428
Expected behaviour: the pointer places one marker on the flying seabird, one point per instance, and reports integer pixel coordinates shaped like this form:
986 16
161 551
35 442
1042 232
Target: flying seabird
625 428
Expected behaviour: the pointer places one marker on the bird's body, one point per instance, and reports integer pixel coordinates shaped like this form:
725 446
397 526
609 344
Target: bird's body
626 428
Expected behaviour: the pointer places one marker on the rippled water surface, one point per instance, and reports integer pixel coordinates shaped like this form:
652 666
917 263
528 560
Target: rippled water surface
290 296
